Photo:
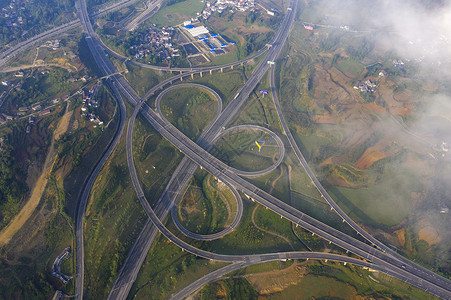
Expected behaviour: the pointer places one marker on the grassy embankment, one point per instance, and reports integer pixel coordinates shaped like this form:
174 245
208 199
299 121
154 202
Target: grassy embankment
306 280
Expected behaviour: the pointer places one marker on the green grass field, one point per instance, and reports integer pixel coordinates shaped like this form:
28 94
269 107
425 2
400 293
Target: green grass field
142 79
226 84
207 206
190 109
239 149
350 66
177 13
167 269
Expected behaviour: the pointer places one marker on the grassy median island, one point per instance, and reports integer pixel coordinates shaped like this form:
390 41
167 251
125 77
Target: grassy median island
190 109
207 205
239 150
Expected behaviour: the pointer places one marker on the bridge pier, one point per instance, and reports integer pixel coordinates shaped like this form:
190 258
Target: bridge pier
211 71
200 74
325 260
181 78
345 263
331 208
231 67
192 76
181 72
221 70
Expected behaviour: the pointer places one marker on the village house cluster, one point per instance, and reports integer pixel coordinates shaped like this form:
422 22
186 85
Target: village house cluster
53 44
366 86
89 104
221 5
14 13
157 43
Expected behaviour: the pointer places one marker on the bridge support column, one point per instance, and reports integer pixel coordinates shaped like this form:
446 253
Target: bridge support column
181 78
331 208
345 263
200 74
343 220
170 71
192 76
221 70
313 234
181 72
231 67
325 260
211 71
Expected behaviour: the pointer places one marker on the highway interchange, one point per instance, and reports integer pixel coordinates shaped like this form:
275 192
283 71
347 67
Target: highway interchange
377 255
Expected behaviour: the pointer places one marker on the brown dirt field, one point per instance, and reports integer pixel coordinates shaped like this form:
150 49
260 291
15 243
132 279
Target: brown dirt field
324 119
275 281
36 194
428 233
400 111
374 107
369 157
400 234
402 96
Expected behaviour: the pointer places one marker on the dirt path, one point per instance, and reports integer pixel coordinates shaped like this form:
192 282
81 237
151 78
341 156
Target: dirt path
36 194
267 231
273 184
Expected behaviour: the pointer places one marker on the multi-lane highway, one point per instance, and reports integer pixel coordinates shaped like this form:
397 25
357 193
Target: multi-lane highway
152 7
16 49
183 174
385 262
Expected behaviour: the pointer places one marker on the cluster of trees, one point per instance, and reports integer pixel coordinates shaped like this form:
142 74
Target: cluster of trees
41 87
35 16
255 17
365 46
10 190
256 41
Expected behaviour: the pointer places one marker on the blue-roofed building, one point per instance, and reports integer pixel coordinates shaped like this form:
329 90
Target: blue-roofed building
189 26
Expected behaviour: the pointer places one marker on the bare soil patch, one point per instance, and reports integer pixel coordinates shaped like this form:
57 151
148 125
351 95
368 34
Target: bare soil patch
275 281
401 237
369 157
428 233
